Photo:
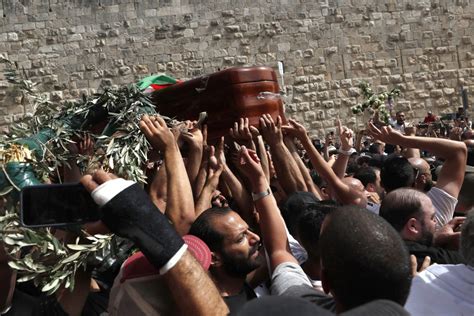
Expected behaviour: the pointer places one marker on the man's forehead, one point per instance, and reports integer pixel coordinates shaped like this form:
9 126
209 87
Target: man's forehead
229 224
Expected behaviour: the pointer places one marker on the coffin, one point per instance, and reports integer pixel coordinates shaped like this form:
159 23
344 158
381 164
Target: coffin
226 96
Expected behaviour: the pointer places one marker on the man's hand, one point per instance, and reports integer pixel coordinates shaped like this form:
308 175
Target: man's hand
249 164
193 136
84 147
241 132
157 132
414 265
217 156
449 236
294 129
386 134
270 130
91 182
346 136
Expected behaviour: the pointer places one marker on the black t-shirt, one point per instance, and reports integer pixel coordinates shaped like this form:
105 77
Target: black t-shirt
236 302
437 254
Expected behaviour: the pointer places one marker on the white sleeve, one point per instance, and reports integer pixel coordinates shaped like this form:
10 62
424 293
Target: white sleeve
109 189
296 249
444 205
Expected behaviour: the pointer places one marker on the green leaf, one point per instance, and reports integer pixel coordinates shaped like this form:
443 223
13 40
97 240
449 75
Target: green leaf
16 265
26 278
51 285
6 190
71 258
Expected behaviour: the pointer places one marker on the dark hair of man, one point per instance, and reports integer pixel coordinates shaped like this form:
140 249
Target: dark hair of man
397 173
203 227
375 148
352 167
294 206
366 175
400 205
309 224
363 258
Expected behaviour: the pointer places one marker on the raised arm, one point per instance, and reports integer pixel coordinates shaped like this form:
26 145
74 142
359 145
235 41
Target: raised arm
451 176
238 191
212 181
288 174
289 142
194 139
130 214
411 152
347 141
241 133
345 194
271 222
158 188
179 200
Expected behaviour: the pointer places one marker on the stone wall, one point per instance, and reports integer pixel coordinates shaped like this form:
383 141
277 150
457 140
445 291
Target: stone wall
75 47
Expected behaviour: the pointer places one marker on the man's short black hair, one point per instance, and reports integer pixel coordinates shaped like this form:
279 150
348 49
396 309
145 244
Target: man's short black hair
294 206
309 225
204 229
366 175
374 148
397 172
363 258
400 205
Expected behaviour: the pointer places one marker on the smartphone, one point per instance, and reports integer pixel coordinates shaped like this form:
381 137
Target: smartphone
57 205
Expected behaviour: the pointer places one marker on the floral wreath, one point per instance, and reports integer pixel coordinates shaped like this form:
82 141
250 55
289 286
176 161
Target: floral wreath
36 147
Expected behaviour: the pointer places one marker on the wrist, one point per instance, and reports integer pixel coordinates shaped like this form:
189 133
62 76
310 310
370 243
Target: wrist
347 151
260 195
260 184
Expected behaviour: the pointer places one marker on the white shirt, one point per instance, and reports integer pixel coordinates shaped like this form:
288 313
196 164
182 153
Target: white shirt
445 289
444 205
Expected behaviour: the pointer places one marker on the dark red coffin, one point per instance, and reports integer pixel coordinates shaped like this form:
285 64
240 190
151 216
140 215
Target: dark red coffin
226 96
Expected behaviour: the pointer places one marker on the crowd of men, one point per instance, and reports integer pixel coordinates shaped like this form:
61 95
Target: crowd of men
269 221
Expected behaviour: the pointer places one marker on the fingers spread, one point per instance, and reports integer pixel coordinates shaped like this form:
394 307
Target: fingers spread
426 263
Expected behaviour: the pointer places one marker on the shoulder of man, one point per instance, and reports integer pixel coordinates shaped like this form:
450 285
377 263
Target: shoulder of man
312 295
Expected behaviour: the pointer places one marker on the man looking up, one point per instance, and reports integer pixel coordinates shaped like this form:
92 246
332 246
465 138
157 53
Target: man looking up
235 253
365 263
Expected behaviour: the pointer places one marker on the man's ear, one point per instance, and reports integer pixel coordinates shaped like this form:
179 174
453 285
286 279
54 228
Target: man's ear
216 260
412 227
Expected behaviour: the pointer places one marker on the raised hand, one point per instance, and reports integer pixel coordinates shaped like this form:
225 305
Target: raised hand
249 164
241 131
193 136
386 134
414 265
271 131
449 236
157 132
346 136
294 129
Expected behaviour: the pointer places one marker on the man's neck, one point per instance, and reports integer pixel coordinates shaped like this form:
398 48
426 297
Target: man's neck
226 284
